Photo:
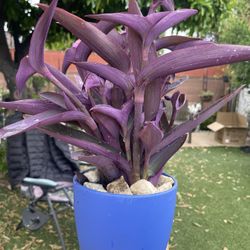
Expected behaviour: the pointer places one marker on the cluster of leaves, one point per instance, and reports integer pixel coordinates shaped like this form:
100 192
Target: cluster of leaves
116 113
236 30
211 12
14 11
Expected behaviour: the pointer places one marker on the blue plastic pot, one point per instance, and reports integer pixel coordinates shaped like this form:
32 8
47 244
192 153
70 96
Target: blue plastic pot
107 221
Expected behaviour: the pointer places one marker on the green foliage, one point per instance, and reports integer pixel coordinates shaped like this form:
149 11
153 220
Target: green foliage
207 93
205 23
35 86
210 120
60 41
107 5
236 30
20 17
3 161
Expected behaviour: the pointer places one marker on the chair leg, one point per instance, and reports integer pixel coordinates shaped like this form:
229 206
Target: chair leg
68 197
53 213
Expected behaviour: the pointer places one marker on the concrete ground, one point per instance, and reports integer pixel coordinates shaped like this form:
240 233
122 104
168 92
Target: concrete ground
206 139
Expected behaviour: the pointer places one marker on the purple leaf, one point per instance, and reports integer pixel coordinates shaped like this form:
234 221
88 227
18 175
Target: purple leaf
109 129
68 103
68 87
134 8
177 100
63 130
136 22
166 4
96 96
154 5
94 38
54 98
194 58
158 161
25 71
105 165
171 19
159 115
164 121
190 44
170 86
119 115
191 124
150 136
45 118
79 83
169 41
104 26
64 80
152 99
119 38
78 98
36 56
71 55
92 81
117 97
109 73
135 40
29 106
119 107
139 93
135 48
36 50
86 142
108 87
80 51
156 17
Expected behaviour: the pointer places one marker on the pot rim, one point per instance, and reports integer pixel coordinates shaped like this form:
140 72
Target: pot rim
126 196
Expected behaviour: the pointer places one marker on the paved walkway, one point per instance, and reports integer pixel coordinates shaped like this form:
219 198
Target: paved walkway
206 139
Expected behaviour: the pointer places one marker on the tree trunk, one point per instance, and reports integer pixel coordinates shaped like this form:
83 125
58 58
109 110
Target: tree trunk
7 66
21 49
9 72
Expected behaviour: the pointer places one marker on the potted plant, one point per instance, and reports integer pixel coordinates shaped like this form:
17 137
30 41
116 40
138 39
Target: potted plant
116 116
206 96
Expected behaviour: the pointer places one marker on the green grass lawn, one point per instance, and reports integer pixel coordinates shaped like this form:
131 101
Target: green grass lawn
213 209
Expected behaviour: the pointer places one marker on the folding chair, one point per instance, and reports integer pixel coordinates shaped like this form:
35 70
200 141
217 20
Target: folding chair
45 190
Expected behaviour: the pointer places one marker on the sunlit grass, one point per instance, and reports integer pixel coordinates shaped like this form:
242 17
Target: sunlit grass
213 210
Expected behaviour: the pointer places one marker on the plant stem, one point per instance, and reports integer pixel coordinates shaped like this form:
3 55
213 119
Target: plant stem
139 98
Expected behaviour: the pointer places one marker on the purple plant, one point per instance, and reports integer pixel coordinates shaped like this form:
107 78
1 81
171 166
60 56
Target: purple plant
117 114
